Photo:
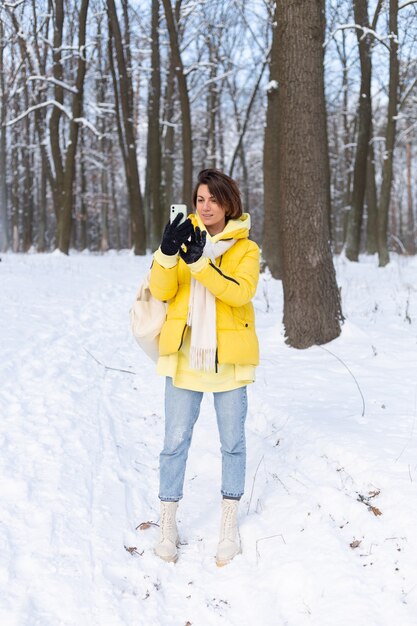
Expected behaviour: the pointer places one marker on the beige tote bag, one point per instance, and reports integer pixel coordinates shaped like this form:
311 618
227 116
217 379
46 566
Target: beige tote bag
147 316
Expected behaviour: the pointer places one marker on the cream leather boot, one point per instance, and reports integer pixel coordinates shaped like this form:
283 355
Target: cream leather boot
166 548
229 542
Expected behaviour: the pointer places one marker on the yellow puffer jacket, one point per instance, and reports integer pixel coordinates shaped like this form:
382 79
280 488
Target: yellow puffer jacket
232 279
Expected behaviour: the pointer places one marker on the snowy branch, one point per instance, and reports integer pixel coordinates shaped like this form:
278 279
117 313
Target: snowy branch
54 81
407 92
89 125
406 4
13 5
77 120
366 31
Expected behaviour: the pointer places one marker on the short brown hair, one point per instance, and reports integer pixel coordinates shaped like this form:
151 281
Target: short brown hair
223 188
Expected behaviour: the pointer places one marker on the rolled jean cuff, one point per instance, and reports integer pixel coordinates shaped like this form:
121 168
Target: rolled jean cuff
169 499
232 496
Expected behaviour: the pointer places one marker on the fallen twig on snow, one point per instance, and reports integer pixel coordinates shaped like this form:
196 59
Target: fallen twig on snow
366 500
350 372
146 525
133 550
253 484
264 539
107 367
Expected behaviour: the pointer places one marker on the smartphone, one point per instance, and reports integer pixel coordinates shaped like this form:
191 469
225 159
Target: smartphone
175 209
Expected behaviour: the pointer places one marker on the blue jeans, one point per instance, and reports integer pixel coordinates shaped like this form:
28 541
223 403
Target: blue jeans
182 408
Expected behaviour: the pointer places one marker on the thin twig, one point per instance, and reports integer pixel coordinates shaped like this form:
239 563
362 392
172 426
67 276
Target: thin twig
253 483
350 372
107 367
264 539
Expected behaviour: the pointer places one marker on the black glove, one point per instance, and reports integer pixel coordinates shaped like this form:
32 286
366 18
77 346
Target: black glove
195 246
175 235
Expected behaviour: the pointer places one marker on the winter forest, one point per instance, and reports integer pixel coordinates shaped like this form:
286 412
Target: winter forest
109 109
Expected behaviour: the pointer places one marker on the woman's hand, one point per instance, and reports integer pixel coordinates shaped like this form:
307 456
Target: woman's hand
195 246
174 236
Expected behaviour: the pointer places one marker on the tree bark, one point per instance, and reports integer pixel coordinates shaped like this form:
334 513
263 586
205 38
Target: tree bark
54 122
66 209
127 134
212 102
271 246
312 309
360 8
187 147
4 226
390 137
28 188
156 221
168 138
83 215
411 235
42 199
371 202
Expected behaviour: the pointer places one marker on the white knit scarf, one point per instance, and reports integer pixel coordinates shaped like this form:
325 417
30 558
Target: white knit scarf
202 314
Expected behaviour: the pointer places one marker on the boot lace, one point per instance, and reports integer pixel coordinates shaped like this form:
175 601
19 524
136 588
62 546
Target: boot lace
229 523
167 525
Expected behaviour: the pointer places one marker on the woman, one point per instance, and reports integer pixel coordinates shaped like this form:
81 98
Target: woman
207 268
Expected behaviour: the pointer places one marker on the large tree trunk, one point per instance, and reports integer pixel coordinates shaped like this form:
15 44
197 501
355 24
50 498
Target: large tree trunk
390 137
312 310
187 146
127 133
364 127
271 247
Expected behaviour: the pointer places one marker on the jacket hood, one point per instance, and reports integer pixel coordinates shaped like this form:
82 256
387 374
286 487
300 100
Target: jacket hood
234 229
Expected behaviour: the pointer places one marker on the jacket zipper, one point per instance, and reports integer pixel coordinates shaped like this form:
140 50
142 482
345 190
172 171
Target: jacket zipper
182 337
221 273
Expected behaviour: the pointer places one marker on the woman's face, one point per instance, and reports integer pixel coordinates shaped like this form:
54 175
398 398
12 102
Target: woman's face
211 213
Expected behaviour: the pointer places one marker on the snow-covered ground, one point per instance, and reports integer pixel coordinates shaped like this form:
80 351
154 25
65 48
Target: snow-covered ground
329 519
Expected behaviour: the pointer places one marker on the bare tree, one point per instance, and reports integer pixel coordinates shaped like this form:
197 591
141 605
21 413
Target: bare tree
154 157
364 128
387 169
66 206
411 241
271 247
124 95
4 235
187 146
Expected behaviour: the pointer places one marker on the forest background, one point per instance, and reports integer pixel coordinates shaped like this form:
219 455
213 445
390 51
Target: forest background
109 109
